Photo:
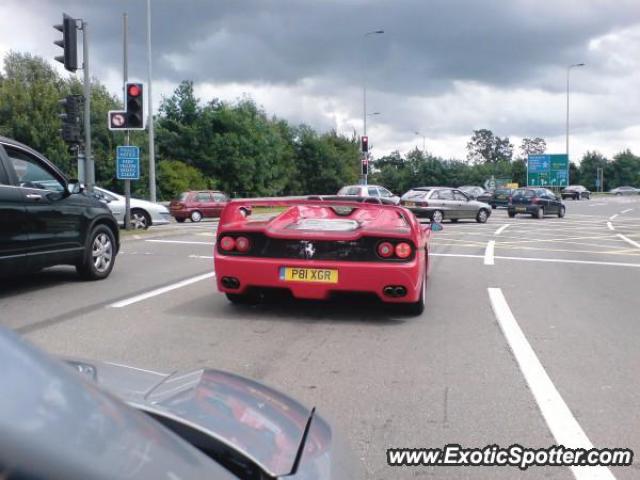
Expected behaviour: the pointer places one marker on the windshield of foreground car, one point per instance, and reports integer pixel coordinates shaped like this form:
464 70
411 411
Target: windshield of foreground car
521 192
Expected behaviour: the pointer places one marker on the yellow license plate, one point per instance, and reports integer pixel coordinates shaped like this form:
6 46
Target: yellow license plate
521 209
317 275
409 204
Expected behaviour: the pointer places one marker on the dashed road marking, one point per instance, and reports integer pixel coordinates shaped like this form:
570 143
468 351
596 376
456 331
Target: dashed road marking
563 425
488 253
185 242
627 210
610 226
613 217
501 229
629 241
159 291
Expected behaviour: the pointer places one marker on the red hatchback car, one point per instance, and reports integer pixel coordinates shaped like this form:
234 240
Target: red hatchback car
198 205
316 247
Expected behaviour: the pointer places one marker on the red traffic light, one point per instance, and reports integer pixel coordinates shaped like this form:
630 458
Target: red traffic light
134 90
365 143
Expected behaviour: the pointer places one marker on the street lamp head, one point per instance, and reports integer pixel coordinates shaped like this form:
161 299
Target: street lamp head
374 113
374 32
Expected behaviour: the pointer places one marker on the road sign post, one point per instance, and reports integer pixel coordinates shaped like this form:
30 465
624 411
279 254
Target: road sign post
127 169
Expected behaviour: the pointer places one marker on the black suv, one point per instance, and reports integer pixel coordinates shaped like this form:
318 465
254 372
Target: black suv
535 201
47 220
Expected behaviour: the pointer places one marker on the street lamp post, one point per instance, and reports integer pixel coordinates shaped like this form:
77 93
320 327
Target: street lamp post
575 65
364 97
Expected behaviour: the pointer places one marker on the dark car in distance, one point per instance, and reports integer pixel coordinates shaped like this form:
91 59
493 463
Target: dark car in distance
576 192
499 197
47 220
197 205
537 202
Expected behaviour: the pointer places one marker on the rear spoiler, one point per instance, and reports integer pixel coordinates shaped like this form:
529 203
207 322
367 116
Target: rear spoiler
238 210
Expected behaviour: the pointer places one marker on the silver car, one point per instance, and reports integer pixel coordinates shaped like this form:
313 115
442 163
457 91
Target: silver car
143 213
625 191
444 203
376 191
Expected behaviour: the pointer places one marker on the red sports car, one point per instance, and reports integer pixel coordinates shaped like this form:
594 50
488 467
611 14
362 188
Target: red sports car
317 246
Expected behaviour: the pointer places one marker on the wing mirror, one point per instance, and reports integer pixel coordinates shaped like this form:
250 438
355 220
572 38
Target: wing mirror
74 186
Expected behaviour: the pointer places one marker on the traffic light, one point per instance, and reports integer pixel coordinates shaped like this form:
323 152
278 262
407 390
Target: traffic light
365 144
69 43
134 104
365 166
71 131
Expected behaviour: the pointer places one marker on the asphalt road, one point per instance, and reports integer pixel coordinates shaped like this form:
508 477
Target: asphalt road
530 336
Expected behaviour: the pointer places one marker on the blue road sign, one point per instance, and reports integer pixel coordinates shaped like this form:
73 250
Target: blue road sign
127 163
548 169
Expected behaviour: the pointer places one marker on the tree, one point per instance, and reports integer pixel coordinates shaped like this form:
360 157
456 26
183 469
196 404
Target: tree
485 147
587 170
175 177
532 146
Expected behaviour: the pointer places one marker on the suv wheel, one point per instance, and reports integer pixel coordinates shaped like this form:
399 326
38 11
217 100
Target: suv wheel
540 213
99 256
561 211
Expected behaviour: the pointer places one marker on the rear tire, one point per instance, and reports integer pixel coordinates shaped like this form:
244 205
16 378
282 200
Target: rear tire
482 216
540 214
437 216
242 298
195 216
511 214
417 308
99 255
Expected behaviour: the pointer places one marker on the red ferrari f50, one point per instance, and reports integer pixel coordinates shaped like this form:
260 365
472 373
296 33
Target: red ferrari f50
318 246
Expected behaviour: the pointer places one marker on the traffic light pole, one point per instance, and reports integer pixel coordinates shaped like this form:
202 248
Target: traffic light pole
89 170
127 139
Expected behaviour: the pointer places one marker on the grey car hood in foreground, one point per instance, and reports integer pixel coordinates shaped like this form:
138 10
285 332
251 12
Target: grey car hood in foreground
57 423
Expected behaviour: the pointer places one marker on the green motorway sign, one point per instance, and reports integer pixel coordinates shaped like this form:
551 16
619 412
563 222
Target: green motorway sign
548 170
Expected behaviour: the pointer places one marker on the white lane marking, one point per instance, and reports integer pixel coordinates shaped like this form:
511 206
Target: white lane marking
610 226
488 253
185 242
627 210
501 229
462 255
629 241
208 257
613 217
161 290
563 425
535 259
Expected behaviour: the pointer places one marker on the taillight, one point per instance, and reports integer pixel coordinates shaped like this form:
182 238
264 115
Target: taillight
403 250
385 249
243 244
227 243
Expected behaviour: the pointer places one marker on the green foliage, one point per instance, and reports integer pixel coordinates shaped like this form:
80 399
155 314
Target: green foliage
485 147
238 148
175 177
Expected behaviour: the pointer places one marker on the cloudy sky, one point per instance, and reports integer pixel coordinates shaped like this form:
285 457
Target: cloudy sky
442 67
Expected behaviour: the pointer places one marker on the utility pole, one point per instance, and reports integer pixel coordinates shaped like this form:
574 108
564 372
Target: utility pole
152 149
127 138
90 171
567 144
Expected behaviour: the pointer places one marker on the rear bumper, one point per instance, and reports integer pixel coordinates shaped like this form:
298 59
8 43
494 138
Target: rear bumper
360 277
424 212
526 209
